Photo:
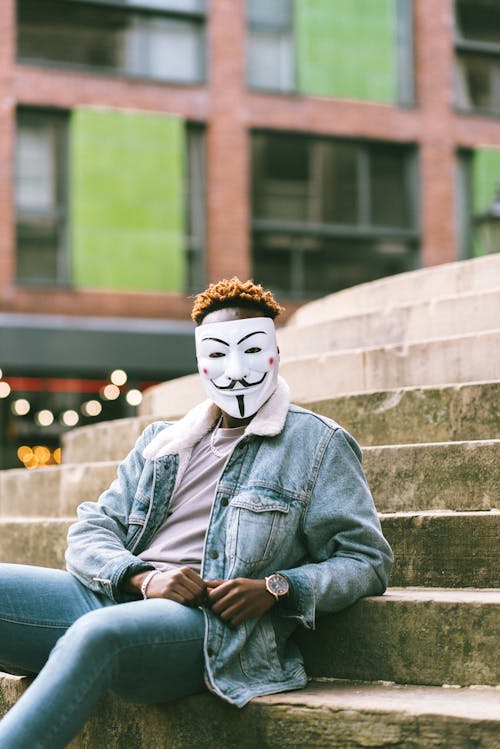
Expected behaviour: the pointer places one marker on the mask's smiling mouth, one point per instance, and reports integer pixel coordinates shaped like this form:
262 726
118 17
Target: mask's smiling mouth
241 384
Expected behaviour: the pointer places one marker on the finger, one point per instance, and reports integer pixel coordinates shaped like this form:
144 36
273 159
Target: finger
215 594
194 584
232 611
193 576
232 600
189 596
172 595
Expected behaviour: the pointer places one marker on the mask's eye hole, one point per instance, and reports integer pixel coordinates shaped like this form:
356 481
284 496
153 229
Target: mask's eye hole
253 350
216 355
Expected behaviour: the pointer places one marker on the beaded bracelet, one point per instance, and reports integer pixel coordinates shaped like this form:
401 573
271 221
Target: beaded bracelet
146 581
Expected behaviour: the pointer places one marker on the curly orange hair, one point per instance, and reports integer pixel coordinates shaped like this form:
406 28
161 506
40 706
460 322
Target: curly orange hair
234 293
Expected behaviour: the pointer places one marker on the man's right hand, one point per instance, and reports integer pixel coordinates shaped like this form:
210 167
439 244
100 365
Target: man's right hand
183 585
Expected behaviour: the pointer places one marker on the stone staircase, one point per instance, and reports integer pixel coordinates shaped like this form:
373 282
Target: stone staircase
409 365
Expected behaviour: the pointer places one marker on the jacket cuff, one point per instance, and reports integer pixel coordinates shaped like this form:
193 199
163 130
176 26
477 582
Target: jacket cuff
111 579
300 603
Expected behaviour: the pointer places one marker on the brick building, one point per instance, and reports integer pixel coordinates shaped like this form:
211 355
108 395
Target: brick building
150 146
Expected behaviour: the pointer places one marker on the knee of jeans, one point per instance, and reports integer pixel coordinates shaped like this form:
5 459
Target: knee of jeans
96 632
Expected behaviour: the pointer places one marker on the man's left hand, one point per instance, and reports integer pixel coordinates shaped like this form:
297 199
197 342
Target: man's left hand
240 599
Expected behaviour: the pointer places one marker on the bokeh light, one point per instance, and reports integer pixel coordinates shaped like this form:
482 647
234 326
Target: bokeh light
118 377
21 407
91 408
44 418
70 418
42 454
110 392
134 397
4 389
24 453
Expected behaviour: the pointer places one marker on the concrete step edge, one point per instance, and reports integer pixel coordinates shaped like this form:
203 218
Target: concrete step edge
409 635
389 308
360 370
473 274
477 702
430 320
333 713
401 347
87 465
384 417
403 478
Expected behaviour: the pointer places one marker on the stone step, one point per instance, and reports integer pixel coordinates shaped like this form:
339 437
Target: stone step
105 440
444 549
403 478
431 549
418 414
450 279
454 360
52 491
388 417
333 713
434 476
464 314
419 636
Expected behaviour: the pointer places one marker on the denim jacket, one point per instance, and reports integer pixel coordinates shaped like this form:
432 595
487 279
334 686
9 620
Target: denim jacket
292 498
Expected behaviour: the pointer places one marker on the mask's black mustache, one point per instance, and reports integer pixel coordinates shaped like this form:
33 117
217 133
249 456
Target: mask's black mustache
241 404
243 382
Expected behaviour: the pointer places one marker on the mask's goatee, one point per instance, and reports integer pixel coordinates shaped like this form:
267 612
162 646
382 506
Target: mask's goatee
241 404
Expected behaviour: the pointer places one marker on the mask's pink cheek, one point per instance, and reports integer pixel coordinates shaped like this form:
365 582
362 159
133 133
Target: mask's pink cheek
271 361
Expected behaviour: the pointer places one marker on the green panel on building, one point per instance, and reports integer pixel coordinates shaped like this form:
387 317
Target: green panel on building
127 217
485 181
347 48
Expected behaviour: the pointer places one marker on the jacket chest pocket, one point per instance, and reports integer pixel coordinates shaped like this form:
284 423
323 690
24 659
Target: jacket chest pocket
257 526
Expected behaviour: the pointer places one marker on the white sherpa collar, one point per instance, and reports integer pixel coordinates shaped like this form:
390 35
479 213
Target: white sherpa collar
183 434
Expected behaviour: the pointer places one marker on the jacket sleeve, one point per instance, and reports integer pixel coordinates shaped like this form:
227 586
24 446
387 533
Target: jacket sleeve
351 557
96 553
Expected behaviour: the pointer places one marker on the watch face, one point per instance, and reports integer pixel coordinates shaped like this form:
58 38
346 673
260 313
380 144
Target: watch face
278 585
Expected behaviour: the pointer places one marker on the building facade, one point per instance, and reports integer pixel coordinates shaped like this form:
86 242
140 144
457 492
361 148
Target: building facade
148 147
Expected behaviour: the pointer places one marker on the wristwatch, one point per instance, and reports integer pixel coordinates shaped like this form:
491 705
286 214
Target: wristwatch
277 585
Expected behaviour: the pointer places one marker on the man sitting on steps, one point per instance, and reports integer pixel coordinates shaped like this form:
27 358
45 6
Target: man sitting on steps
220 534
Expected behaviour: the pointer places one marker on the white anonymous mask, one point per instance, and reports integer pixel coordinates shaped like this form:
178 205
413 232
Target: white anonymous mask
238 361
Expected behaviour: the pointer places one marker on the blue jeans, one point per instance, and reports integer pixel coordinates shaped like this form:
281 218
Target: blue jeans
83 644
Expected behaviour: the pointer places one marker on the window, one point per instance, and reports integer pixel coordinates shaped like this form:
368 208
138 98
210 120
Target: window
144 233
354 49
40 191
477 46
270 45
195 207
328 214
478 201
163 40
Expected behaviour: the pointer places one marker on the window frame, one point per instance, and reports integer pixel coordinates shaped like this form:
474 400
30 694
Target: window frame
403 50
463 47
198 19
194 204
363 229
283 30
59 119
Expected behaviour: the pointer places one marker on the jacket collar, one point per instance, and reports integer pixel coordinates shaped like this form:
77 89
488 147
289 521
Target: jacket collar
183 434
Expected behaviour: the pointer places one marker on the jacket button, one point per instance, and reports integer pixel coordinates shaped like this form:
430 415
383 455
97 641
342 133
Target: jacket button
214 555
210 652
224 501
